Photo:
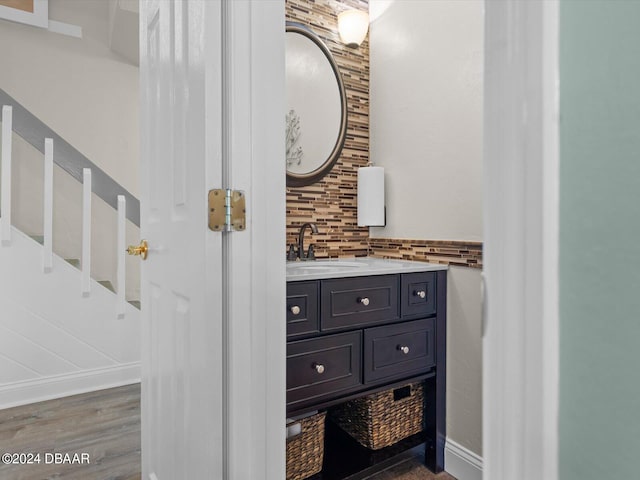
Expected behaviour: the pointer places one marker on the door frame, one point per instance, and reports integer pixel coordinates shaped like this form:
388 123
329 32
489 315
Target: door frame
254 295
521 222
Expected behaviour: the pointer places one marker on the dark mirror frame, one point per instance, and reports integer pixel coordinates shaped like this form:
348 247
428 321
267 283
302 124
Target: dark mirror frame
300 180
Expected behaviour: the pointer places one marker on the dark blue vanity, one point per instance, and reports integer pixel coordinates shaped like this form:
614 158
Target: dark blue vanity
360 326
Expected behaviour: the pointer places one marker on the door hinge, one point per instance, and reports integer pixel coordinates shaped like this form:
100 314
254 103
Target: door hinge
227 211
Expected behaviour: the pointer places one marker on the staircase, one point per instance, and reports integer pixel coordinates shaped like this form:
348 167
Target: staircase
63 332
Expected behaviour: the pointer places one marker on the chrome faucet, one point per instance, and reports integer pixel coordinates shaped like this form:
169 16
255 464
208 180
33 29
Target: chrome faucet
309 255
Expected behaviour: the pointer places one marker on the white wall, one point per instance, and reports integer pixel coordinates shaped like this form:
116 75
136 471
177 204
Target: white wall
425 116
89 96
55 342
426 130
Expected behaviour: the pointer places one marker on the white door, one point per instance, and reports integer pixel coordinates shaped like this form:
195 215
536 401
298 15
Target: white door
182 340
212 110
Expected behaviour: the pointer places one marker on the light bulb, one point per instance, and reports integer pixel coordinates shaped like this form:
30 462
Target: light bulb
353 26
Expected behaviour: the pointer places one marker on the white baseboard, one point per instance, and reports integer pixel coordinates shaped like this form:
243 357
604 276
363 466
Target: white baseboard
461 462
48 388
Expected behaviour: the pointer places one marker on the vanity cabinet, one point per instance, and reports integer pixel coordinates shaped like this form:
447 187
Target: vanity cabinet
352 336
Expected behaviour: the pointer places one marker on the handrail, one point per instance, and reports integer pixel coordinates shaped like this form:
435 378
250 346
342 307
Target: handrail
34 131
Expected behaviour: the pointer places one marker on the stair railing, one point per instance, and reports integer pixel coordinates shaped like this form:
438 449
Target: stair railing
15 118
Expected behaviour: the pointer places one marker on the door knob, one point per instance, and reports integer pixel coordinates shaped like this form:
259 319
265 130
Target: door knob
420 293
318 367
404 349
295 310
142 250
364 301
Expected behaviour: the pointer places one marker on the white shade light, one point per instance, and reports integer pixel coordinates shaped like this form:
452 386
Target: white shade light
371 197
353 26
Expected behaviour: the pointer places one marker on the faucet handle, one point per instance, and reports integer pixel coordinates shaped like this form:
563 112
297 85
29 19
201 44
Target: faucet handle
311 253
292 255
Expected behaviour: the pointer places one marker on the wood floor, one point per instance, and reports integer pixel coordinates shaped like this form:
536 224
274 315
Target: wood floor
106 426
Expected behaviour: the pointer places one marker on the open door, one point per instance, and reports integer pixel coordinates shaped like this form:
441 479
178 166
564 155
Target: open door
182 276
212 116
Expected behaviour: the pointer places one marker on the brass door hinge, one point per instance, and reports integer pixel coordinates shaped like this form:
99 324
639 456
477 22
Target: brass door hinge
227 211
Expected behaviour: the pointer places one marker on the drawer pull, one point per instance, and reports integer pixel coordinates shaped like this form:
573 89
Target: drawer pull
420 293
318 368
404 349
364 301
295 309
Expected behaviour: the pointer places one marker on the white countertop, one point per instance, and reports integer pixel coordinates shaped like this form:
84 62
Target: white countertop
354 267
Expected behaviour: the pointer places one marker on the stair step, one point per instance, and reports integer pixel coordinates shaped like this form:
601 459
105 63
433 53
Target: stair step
135 303
73 261
107 284
38 238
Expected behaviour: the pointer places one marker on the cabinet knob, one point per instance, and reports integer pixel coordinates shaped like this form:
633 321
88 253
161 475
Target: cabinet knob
420 293
295 309
364 301
404 349
318 368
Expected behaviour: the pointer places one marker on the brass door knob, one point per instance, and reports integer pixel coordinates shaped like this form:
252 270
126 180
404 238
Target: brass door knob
142 250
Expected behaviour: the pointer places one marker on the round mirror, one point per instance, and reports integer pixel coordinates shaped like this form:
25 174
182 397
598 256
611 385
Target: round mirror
316 120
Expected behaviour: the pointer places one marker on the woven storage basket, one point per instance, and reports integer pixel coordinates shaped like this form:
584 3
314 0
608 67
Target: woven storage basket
306 450
382 419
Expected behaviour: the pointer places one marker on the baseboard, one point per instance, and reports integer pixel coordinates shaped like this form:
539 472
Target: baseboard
461 462
48 388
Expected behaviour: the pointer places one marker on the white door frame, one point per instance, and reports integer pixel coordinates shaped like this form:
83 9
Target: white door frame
254 301
520 330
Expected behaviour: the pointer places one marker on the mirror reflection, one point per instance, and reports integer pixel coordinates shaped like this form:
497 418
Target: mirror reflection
316 107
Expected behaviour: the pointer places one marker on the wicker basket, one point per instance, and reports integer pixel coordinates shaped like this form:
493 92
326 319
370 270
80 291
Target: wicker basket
306 450
382 419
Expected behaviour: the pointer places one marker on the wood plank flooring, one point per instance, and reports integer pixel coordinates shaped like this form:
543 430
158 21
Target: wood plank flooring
106 425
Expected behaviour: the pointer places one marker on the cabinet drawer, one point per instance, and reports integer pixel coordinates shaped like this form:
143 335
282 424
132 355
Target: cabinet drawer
400 350
321 366
302 308
351 302
418 291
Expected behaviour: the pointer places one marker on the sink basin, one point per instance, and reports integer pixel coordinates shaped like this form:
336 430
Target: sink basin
324 265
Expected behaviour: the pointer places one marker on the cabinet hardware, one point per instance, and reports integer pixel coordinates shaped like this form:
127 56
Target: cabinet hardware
364 301
318 368
420 293
295 309
404 349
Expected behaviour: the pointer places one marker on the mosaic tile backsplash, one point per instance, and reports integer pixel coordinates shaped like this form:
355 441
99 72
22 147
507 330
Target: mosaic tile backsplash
462 254
331 202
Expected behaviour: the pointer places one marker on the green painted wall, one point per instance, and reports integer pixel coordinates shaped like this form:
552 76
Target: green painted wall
599 239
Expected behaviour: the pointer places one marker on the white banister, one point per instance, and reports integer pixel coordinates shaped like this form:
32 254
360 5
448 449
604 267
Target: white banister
5 199
47 252
122 211
86 231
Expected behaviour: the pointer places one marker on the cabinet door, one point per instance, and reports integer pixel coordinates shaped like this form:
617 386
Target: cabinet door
418 292
321 366
302 308
399 351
